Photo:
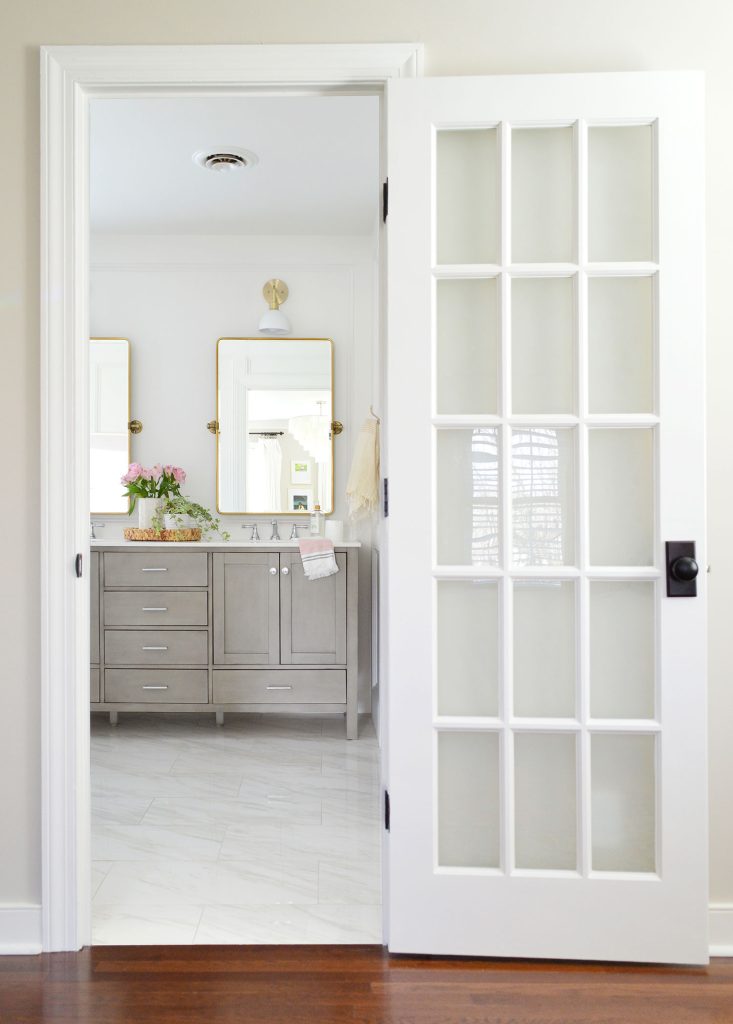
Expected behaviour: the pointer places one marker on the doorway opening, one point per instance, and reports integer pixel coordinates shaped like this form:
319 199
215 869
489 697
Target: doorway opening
267 829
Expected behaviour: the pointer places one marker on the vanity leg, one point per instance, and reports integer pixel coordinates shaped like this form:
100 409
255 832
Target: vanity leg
352 723
220 718
113 715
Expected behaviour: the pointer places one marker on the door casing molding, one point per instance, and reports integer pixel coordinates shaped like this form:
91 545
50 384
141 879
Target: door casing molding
70 77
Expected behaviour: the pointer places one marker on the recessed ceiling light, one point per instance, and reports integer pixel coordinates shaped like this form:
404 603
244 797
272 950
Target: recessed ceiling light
225 159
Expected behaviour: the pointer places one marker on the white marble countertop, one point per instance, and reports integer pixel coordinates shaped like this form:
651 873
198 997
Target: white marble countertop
261 545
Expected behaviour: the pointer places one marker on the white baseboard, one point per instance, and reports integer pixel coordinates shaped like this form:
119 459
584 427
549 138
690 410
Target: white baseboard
20 929
721 929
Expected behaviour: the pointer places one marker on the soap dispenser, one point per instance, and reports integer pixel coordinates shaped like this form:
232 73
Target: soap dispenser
316 522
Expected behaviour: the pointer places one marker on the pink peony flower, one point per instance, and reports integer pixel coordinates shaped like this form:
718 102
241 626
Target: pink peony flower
147 474
179 475
134 471
157 470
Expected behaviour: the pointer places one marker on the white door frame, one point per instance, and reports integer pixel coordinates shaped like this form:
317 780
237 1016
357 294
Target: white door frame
70 77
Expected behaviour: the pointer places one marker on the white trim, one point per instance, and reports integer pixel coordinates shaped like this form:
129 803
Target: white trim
70 76
225 68
20 929
721 929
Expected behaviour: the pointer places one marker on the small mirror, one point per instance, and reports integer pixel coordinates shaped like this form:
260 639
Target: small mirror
109 416
274 410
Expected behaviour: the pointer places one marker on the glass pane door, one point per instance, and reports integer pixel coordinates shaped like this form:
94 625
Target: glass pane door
541 726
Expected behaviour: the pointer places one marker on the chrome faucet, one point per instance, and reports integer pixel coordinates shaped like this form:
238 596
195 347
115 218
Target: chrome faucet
294 531
275 535
253 527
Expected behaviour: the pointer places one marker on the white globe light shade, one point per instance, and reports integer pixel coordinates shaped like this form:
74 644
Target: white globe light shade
275 324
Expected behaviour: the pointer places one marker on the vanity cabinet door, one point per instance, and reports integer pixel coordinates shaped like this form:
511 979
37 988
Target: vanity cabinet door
313 614
247 609
94 608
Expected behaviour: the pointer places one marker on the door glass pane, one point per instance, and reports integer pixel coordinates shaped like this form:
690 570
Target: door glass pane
620 344
543 496
621 500
468 496
543 322
467 346
468 799
623 802
621 649
467 196
545 801
620 193
542 195
544 648
468 651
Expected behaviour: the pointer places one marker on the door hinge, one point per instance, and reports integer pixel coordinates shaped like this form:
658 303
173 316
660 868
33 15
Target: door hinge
385 200
78 566
385 493
386 810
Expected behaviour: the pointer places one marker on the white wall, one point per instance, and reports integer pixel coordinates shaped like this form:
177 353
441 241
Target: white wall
461 38
172 297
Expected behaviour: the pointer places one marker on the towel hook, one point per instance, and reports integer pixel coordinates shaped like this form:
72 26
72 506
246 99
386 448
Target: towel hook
371 410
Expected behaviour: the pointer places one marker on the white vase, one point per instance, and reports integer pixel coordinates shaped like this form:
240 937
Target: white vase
177 522
146 509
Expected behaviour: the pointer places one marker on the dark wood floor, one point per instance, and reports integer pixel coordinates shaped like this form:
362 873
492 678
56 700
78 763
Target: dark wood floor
342 984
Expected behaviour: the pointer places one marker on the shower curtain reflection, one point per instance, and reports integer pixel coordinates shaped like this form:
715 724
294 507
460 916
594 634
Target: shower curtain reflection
264 471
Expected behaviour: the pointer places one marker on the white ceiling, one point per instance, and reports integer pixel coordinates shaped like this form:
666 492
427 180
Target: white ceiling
318 170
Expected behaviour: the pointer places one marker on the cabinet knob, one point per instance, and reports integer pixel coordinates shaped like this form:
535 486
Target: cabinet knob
273 571
285 570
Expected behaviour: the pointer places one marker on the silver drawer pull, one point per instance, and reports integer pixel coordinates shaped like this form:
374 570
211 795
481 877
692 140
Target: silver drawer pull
151 687
154 648
155 609
279 687
147 569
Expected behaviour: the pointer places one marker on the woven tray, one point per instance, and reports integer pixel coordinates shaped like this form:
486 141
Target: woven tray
184 534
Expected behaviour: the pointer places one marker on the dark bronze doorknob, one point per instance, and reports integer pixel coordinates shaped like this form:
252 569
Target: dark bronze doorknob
684 569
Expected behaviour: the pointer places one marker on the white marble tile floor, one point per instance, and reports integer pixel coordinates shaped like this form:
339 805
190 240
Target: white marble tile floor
267 830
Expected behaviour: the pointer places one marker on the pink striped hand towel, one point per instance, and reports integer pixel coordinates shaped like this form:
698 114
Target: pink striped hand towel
318 558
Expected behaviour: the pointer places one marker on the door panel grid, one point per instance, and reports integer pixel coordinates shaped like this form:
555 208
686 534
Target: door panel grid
564 474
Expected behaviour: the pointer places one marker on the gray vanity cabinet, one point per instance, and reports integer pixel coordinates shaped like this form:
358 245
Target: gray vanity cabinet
246 609
94 608
229 631
312 614
94 631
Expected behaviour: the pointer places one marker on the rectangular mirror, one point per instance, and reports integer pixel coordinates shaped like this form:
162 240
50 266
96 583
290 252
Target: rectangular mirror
109 416
274 408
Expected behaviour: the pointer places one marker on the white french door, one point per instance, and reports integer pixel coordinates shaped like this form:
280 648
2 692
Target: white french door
546 698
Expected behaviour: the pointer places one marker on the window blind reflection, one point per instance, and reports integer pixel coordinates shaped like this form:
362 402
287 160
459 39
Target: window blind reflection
468 496
542 496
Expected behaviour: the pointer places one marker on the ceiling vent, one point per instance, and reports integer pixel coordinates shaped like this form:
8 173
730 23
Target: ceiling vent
224 160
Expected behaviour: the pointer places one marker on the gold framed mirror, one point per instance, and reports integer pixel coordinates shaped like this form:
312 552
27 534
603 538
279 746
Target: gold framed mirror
109 424
274 417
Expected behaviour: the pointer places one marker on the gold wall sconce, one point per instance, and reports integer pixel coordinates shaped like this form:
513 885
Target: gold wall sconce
274 323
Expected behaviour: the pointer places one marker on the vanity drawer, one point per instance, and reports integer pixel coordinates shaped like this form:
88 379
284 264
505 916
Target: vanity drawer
156 647
256 686
156 569
94 686
156 608
156 686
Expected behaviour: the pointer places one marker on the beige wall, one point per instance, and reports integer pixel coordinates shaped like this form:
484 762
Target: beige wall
462 37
